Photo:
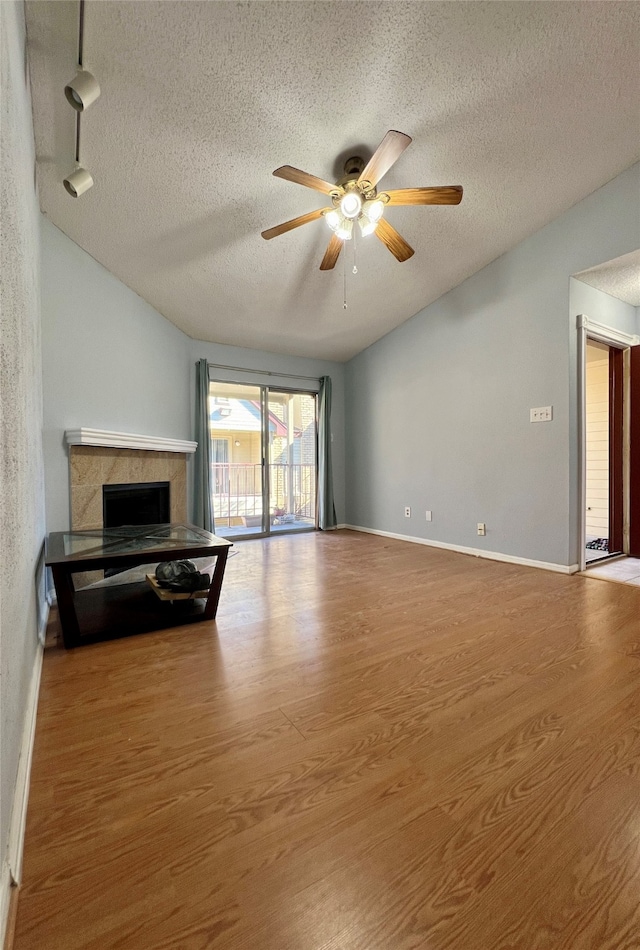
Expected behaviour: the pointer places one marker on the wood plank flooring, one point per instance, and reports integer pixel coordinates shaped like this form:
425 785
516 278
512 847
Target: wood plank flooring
377 746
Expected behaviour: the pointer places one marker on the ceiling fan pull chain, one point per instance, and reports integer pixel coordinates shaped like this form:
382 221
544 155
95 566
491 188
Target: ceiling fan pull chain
355 263
344 279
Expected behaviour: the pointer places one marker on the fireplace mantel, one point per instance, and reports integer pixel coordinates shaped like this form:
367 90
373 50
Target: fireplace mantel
127 440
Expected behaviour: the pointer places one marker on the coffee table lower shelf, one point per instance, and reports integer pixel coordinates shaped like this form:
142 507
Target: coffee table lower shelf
107 613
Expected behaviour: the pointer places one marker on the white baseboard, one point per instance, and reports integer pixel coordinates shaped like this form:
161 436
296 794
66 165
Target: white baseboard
475 552
5 897
11 872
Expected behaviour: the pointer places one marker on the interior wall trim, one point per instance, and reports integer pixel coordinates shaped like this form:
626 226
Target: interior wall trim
476 552
5 899
21 795
605 334
127 440
11 873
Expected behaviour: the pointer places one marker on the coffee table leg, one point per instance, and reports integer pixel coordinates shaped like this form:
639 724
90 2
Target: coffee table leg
66 606
211 607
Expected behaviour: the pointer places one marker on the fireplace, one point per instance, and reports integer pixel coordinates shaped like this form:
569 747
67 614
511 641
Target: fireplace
99 459
141 503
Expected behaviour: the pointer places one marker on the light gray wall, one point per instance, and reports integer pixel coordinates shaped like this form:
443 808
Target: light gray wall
110 361
601 307
438 410
21 472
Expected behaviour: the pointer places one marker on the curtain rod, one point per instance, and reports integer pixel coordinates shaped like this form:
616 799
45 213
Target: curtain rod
262 372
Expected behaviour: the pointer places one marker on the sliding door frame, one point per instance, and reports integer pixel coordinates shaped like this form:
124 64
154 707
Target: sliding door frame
265 390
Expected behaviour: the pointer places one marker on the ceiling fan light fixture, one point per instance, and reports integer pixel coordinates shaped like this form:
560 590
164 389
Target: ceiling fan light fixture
366 225
345 229
333 219
351 204
373 210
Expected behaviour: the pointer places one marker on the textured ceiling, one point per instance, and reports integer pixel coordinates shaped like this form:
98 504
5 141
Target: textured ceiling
620 278
529 106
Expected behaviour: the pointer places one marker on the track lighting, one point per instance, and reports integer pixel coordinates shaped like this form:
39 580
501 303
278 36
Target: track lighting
78 182
82 91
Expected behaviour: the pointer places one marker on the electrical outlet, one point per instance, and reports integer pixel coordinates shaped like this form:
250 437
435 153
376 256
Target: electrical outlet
542 414
429 517
407 512
482 528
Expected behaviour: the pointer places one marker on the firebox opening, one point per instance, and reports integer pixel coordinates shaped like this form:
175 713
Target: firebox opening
135 504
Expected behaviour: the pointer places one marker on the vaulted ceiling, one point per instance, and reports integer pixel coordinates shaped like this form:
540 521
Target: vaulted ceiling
620 277
530 106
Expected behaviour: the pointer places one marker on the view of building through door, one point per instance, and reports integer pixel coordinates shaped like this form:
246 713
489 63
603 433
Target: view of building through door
263 469
292 460
603 451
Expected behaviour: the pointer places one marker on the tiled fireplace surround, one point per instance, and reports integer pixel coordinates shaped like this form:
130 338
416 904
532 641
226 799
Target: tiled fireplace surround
92 466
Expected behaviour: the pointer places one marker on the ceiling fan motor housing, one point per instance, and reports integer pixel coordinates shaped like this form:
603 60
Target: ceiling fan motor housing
353 167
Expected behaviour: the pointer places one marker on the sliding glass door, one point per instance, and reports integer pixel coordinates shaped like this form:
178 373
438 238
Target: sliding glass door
264 459
292 460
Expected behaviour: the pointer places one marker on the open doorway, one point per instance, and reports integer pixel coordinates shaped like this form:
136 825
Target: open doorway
603 451
610 447
605 300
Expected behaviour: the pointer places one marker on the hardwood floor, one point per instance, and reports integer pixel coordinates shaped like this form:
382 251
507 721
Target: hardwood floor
377 746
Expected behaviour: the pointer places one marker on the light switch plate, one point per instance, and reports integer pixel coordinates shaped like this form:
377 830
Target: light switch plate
541 414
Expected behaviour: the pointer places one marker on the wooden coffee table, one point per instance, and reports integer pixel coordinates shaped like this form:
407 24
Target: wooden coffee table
103 612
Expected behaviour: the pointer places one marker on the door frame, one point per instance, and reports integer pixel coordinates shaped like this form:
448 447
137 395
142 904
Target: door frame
591 330
265 388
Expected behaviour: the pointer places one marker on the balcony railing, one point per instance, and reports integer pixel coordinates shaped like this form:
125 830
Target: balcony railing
237 491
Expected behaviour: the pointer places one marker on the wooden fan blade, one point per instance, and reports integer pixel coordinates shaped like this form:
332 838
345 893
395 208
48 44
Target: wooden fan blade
294 223
331 254
394 241
387 153
443 195
289 173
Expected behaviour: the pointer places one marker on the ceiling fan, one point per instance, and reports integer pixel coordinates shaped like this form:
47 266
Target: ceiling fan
355 198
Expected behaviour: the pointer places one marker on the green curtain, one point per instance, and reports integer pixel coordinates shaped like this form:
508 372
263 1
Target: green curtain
202 500
326 506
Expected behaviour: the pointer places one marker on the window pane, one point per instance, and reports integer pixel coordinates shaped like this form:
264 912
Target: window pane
292 460
236 476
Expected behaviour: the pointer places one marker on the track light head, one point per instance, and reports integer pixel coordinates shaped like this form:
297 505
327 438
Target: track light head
82 91
78 182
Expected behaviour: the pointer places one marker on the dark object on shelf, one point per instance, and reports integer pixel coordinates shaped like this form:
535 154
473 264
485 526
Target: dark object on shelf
181 576
600 544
